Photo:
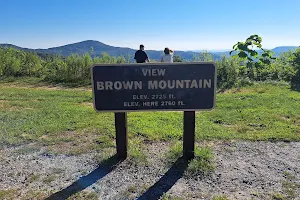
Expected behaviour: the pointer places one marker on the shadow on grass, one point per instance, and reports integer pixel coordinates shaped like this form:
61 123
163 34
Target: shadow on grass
104 168
165 183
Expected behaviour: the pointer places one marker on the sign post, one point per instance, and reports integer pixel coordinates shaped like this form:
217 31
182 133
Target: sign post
121 134
122 88
188 134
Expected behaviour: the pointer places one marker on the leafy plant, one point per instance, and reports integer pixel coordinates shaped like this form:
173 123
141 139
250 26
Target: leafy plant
248 52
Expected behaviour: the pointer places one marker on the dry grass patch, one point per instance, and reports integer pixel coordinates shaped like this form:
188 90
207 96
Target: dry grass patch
239 90
71 143
13 106
88 104
42 86
84 196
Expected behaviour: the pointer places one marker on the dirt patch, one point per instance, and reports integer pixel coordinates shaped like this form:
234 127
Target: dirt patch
244 170
285 117
8 107
88 104
69 142
238 90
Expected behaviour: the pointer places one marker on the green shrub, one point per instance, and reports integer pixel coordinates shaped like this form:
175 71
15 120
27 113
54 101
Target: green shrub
75 69
295 80
227 72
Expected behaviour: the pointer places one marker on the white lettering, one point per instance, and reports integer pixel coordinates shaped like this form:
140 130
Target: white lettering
139 96
100 85
194 84
161 72
153 72
150 103
207 83
146 71
162 84
171 84
131 104
200 83
179 83
152 85
118 85
138 85
108 85
187 83
128 85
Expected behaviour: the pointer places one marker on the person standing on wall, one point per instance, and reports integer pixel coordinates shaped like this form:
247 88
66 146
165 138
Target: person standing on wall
140 56
168 57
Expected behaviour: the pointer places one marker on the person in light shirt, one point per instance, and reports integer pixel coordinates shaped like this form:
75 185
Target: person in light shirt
168 57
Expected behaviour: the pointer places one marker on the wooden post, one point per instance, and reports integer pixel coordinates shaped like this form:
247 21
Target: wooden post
189 135
121 134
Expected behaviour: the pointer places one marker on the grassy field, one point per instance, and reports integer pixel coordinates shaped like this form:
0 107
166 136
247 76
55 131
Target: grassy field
32 112
63 120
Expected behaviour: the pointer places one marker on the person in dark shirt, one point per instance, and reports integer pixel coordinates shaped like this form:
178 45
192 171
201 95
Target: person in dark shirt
140 55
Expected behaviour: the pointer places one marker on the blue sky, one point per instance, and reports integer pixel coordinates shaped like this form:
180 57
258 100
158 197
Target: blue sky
178 24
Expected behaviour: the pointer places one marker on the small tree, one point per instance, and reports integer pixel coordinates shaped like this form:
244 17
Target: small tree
247 51
205 56
177 58
92 50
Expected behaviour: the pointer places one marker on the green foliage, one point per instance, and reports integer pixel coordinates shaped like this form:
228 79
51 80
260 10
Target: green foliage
136 154
19 63
285 67
166 196
202 164
7 194
247 50
253 60
72 69
177 59
295 80
278 196
83 195
290 185
203 57
220 197
227 72
55 69
174 153
243 68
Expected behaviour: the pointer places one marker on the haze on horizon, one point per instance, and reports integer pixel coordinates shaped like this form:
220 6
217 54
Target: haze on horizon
180 25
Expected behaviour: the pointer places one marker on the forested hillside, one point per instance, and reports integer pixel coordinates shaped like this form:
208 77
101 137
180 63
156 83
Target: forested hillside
233 71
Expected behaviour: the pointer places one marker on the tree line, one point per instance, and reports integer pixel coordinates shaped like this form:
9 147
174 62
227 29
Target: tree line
245 65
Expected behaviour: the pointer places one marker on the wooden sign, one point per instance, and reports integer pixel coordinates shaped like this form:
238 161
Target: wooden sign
154 87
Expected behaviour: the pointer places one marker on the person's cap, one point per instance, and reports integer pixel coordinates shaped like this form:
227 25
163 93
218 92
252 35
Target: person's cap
141 46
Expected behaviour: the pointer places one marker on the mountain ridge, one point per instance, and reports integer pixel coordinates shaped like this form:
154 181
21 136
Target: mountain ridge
99 47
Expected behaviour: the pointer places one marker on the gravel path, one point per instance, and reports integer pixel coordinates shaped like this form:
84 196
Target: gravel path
244 170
